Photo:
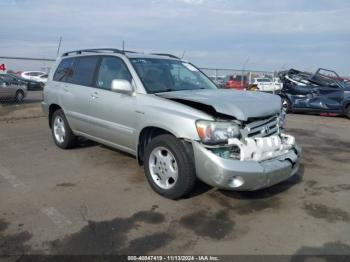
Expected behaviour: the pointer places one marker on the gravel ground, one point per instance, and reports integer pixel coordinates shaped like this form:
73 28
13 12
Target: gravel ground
96 200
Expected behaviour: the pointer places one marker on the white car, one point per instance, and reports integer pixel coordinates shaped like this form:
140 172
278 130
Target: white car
268 84
33 75
43 78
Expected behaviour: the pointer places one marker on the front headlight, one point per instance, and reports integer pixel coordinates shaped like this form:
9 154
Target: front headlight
211 132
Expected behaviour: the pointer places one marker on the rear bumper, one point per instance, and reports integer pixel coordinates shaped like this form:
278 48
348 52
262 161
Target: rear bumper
244 175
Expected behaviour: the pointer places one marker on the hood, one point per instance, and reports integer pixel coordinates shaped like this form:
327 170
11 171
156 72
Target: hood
240 104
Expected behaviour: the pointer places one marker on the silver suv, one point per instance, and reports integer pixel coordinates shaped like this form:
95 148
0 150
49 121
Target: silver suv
172 118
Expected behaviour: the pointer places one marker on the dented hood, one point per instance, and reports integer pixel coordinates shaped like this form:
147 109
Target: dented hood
239 104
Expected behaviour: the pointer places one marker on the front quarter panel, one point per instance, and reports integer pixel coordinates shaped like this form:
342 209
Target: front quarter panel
176 118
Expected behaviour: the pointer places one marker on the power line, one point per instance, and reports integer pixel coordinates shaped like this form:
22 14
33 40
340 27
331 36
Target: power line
27 58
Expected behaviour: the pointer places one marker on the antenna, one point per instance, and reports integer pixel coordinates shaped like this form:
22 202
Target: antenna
123 45
183 54
59 46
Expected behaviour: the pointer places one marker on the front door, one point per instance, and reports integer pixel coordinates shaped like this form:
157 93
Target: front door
113 114
328 98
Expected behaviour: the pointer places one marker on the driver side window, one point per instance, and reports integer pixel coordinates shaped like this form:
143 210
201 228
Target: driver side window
111 68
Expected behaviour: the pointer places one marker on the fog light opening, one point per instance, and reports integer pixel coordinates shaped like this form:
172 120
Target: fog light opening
236 181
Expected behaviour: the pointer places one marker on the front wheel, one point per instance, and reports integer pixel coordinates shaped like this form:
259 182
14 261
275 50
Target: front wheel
169 166
286 104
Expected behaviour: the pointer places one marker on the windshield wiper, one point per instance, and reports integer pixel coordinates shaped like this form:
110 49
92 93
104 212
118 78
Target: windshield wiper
164 91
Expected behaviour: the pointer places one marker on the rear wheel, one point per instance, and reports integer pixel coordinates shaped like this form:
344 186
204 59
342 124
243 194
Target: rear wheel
169 166
19 96
61 132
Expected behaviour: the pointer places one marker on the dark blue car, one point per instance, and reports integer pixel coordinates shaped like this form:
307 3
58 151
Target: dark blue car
321 92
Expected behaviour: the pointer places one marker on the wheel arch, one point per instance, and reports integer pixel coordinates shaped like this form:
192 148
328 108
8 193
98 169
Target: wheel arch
19 91
145 137
52 109
346 104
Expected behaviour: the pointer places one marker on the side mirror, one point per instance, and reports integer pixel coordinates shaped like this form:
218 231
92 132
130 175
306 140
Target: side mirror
121 86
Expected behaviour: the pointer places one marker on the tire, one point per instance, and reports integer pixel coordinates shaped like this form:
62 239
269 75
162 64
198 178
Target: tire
63 138
19 96
347 112
286 104
159 166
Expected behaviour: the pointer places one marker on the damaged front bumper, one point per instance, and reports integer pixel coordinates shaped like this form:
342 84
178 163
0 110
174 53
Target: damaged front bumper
228 173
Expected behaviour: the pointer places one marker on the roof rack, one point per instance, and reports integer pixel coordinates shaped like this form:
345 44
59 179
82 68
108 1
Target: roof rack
97 50
111 50
169 55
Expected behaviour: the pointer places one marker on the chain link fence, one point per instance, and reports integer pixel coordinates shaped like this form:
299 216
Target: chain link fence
245 77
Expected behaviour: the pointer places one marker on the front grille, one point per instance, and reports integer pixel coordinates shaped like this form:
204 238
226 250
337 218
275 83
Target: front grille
261 128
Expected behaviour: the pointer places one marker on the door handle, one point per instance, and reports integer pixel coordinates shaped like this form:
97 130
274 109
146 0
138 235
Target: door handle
94 95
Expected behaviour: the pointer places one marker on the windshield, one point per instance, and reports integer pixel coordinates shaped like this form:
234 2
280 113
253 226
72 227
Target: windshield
165 75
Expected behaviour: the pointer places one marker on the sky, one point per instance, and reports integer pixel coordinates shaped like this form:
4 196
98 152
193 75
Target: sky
252 34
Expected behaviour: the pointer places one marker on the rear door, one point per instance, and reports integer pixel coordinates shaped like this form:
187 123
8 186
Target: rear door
76 76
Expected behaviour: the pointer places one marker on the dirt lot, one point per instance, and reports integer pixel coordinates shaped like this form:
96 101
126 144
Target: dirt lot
95 200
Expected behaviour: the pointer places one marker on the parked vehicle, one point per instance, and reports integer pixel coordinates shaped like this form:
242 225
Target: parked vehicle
172 117
219 81
11 91
235 82
43 78
13 79
321 92
266 84
31 85
32 75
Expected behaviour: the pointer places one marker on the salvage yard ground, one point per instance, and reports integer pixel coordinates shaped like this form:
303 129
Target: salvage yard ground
95 200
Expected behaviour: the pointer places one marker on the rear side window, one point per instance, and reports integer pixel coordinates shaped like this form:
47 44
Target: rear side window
64 70
84 70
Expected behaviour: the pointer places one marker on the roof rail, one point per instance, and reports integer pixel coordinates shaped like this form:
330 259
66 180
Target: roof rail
169 55
94 50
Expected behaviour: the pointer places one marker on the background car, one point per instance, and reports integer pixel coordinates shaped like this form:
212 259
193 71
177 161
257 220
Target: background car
12 91
18 80
321 92
43 78
266 84
32 75
236 82
218 80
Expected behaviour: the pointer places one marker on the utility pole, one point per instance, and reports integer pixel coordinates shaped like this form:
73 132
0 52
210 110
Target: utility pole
123 45
59 46
243 69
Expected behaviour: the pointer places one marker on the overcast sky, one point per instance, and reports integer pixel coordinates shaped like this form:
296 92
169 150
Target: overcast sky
268 34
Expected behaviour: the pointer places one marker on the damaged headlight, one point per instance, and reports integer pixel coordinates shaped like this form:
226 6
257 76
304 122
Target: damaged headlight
211 132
